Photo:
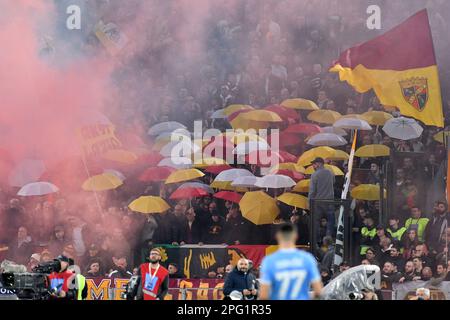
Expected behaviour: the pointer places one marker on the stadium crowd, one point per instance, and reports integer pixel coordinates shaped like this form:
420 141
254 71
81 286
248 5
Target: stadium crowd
258 55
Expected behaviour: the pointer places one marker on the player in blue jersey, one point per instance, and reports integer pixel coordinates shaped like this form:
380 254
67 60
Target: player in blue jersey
289 273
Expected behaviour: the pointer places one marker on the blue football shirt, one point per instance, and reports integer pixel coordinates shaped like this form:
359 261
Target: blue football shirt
289 272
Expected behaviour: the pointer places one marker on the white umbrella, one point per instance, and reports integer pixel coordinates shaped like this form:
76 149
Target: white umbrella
179 149
250 146
116 173
164 127
27 171
219 114
403 128
232 174
176 162
275 181
352 124
334 130
37 189
196 185
327 139
245 182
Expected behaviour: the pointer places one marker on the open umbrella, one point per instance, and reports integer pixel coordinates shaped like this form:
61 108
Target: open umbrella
327 139
287 157
300 104
339 155
199 185
228 196
149 204
165 127
259 208
335 130
285 139
373 151
303 128
176 162
120 156
238 120
245 182
263 158
218 169
283 112
37 189
302 186
207 162
176 135
335 170
324 116
116 173
403 128
294 175
232 174
369 192
243 137
275 181
156 174
288 166
226 185
248 147
236 107
188 193
352 124
184 175
219 114
102 182
440 136
377 118
294 200
262 115
307 157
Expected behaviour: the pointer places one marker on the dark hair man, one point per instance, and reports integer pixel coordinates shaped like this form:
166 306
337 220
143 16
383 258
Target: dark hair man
154 278
289 273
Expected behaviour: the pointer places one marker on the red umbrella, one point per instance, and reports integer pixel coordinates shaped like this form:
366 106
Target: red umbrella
232 116
228 195
306 128
156 174
220 144
218 168
286 139
297 176
283 112
287 157
263 158
188 193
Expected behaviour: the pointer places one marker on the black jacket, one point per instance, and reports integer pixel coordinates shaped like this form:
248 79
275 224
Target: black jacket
238 280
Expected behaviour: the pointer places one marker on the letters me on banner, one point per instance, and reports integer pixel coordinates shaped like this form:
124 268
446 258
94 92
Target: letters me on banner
96 139
179 289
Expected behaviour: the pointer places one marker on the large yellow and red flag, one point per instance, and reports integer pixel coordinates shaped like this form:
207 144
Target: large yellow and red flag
400 66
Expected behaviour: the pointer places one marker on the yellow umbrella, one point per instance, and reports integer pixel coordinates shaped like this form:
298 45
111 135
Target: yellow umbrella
336 171
294 200
339 155
207 162
288 166
302 186
149 204
242 123
226 185
390 108
120 155
246 137
439 137
102 182
262 115
300 104
354 116
372 151
184 175
324 116
259 208
322 152
377 118
236 107
369 192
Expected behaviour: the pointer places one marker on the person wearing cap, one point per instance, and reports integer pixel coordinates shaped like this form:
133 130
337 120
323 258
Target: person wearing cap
59 281
153 283
321 187
35 259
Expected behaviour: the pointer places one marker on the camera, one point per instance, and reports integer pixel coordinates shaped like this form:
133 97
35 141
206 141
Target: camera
48 267
356 296
131 288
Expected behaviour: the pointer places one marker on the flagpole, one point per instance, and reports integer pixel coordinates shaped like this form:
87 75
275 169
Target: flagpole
97 200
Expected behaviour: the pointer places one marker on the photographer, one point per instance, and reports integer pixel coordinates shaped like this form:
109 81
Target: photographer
59 281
